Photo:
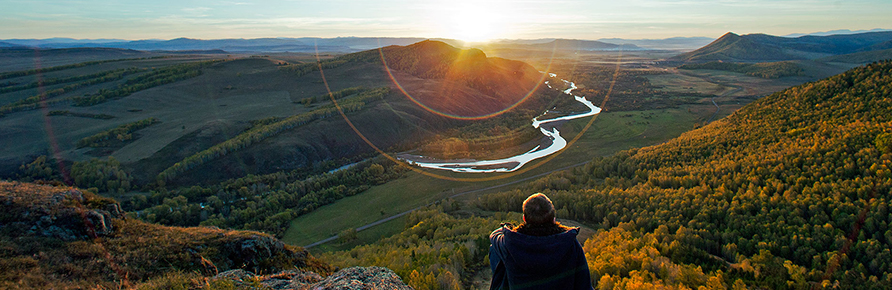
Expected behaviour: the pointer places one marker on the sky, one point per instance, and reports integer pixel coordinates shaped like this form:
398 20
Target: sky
471 20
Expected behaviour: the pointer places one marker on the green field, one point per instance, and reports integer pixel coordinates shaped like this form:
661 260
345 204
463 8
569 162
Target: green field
609 133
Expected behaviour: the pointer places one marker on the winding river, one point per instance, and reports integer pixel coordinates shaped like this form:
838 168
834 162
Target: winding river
516 162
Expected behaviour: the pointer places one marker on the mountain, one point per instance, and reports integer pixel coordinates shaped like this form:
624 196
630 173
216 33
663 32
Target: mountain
304 44
7 45
733 47
679 43
765 48
582 45
838 31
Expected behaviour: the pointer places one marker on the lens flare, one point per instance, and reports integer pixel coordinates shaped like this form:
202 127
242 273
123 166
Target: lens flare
456 116
465 179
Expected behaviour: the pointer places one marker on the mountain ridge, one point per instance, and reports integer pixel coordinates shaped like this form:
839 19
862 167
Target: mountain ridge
767 48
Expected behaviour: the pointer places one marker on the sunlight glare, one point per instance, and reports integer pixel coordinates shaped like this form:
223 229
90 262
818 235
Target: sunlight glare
473 21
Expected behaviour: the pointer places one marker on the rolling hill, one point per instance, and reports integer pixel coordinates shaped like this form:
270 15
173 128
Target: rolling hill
223 99
502 82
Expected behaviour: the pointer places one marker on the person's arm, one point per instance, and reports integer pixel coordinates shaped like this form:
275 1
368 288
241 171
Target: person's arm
496 241
496 247
583 277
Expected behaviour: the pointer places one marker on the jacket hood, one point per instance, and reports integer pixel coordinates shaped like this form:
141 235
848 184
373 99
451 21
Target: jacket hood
548 253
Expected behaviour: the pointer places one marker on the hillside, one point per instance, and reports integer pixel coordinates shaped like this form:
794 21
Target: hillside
203 101
60 237
766 48
768 70
791 191
860 57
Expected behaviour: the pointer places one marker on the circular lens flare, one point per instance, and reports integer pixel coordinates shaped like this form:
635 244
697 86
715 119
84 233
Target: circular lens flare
453 115
465 179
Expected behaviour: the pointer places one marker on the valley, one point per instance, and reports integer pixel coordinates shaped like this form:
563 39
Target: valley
692 167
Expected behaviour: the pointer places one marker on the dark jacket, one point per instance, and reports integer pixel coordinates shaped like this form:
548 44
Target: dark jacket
521 261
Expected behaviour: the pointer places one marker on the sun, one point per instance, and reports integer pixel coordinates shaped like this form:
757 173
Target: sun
472 21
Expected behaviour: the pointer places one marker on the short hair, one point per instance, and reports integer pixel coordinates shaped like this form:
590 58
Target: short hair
538 209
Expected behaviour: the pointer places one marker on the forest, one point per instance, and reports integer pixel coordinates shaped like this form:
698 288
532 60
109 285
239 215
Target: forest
794 186
260 202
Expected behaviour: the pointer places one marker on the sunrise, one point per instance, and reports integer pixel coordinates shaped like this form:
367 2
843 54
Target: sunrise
463 144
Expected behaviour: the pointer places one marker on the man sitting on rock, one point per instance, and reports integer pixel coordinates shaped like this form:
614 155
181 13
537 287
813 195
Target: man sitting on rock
539 254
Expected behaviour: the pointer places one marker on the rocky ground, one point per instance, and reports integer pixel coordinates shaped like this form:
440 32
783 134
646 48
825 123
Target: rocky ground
350 278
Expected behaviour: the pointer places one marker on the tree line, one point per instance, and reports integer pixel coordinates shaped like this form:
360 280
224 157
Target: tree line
33 102
152 79
261 202
97 175
82 115
434 251
336 95
15 74
55 81
302 69
121 133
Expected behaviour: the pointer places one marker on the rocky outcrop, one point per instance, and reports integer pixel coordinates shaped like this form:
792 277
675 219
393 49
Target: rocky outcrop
63 213
254 252
350 278
363 278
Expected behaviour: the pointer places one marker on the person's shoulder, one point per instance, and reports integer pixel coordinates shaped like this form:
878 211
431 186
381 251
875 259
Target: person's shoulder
502 229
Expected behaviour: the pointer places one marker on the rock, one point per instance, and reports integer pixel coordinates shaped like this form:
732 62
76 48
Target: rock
363 278
58 212
237 275
250 252
350 278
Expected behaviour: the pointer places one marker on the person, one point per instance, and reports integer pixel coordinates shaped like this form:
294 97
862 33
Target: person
539 254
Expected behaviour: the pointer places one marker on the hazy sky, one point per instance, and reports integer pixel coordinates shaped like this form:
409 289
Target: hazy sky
462 19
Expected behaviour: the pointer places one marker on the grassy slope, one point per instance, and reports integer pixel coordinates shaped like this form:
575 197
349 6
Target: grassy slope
31 133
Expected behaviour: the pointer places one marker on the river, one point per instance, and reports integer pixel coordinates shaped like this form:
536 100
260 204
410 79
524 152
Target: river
516 162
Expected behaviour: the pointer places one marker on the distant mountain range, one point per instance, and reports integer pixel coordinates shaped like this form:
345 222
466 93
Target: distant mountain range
766 48
838 31
350 44
679 43
306 44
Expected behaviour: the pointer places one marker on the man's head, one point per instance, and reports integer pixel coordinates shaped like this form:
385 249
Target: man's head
538 209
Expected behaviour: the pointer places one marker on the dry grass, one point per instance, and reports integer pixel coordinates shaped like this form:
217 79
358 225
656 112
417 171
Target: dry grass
135 252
